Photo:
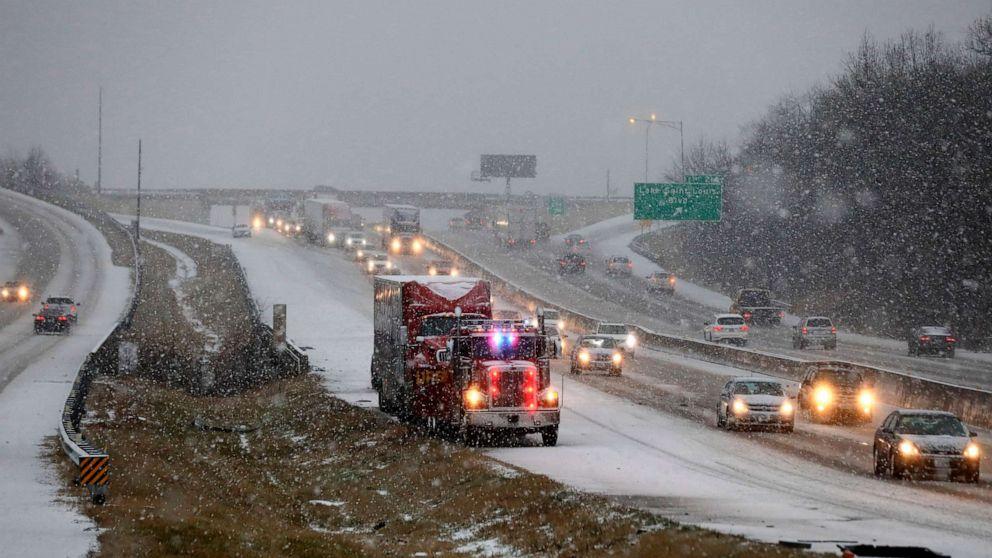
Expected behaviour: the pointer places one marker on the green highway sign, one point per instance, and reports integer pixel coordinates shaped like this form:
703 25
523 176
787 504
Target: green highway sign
556 206
703 179
689 201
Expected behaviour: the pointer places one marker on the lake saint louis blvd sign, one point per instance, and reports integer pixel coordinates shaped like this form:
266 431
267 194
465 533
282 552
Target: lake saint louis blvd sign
699 198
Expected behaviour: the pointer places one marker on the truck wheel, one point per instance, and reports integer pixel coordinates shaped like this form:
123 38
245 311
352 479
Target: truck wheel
549 436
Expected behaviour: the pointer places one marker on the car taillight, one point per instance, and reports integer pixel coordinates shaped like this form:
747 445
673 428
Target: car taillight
924 338
805 330
62 318
717 328
39 319
833 329
950 339
630 265
747 315
744 327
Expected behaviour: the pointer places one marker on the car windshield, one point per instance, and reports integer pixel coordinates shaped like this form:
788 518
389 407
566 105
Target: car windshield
730 320
619 259
380 257
936 331
818 322
612 329
59 300
839 376
758 388
598 343
754 298
930 425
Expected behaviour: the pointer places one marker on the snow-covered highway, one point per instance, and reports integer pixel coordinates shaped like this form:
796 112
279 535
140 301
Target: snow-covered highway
36 373
678 466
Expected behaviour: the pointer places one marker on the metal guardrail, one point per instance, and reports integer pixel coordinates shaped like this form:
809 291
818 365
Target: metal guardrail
900 389
93 462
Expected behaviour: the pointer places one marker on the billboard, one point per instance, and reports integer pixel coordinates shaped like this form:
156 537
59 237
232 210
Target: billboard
509 166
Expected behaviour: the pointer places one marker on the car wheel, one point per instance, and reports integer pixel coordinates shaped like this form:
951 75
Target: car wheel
879 468
895 470
720 421
973 477
789 428
950 354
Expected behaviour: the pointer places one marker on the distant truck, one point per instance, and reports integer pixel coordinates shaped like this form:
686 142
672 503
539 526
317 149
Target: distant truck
402 234
517 226
439 359
325 221
758 307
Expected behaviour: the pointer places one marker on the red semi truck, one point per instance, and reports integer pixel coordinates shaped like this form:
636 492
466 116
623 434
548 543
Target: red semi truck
439 359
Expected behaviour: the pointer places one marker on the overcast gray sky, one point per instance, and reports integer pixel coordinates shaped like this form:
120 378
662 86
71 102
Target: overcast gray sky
406 95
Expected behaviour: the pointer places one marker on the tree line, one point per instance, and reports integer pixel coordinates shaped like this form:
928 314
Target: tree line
868 198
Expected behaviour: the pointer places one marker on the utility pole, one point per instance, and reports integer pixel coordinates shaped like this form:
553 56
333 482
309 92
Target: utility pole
137 228
99 149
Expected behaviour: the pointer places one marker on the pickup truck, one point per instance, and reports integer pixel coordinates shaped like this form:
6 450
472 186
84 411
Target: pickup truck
757 306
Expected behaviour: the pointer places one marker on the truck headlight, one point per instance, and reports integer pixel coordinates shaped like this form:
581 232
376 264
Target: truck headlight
908 449
584 357
454 272
5 292
22 292
631 341
417 246
330 237
389 265
786 409
739 407
473 398
972 451
617 358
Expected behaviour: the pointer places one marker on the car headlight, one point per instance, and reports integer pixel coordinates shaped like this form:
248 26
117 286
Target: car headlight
432 271
271 221
396 245
631 341
786 408
473 398
972 451
299 228
371 265
348 242
22 293
908 449
454 272
360 254
739 407
866 399
584 357
617 358
389 265
330 237
5 293
823 396
417 246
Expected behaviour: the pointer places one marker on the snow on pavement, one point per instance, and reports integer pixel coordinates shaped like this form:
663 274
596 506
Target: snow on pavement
36 520
185 270
677 467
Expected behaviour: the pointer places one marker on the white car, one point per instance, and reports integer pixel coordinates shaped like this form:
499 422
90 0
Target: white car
355 241
597 352
442 267
726 328
755 402
626 340
378 263
241 231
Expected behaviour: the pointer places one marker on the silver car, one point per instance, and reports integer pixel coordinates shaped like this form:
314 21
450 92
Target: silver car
814 331
755 402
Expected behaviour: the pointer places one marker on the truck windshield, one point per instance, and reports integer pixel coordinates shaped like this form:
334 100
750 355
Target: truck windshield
839 376
754 298
523 347
432 326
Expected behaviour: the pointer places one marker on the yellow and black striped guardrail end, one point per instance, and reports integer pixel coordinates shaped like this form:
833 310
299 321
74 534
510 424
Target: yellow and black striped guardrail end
94 470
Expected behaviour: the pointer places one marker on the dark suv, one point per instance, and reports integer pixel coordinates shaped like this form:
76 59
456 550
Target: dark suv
832 392
571 263
936 340
52 320
927 443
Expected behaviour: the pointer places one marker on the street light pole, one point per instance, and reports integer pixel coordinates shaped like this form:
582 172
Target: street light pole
648 123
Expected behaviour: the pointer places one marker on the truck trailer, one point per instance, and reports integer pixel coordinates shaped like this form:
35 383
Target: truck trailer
439 359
